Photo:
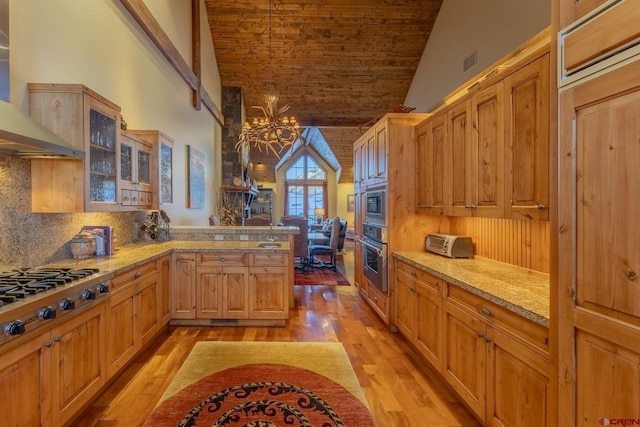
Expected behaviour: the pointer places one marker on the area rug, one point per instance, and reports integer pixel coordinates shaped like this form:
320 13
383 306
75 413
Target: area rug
324 277
264 384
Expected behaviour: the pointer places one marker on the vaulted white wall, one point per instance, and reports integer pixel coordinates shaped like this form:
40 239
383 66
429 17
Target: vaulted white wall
96 43
492 28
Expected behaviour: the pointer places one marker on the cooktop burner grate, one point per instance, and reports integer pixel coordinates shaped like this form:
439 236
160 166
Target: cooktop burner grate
21 283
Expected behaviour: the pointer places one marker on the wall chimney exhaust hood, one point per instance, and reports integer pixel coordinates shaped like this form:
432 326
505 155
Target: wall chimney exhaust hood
20 135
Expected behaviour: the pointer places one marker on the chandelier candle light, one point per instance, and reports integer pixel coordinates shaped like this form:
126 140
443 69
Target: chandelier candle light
271 131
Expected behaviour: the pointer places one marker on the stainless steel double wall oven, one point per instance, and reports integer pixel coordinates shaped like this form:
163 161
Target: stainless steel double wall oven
374 239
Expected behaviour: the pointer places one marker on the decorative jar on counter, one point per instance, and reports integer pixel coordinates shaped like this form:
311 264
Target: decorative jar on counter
83 245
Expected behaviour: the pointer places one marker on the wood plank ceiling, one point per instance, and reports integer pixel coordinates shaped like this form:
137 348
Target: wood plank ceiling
338 63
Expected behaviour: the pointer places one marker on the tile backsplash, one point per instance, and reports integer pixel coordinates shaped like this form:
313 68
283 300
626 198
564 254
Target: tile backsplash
30 239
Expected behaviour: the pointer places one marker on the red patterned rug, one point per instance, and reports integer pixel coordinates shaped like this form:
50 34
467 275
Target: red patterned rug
262 395
326 277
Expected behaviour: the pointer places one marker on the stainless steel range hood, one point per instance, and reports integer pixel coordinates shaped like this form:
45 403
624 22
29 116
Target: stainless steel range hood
20 135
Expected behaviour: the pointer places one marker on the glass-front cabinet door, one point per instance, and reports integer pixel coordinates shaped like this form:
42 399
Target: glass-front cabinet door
156 167
136 185
166 174
102 157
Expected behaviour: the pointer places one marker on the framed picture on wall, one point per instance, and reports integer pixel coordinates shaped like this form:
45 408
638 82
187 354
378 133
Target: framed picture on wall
195 177
351 202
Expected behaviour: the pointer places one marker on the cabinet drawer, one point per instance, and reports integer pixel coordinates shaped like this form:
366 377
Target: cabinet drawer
267 259
521 328
122 280
221 259
607 32
377 299
427 280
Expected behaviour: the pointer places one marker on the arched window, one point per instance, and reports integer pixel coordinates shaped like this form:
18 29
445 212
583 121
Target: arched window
306 189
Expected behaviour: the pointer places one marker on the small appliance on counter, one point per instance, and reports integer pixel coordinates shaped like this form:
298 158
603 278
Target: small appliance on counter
449 245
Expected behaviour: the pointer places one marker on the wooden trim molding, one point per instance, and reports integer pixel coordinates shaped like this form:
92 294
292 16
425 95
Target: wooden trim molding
195 53
143 17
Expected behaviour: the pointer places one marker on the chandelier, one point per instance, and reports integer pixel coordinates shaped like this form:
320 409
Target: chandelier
271 132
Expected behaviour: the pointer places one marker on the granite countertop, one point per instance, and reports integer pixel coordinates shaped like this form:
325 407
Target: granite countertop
522 291
130 256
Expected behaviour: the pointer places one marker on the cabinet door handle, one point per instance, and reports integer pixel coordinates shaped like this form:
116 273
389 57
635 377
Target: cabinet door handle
485 311
487 339
48 344
414 274
480 335
541 207
138 274
222 259
57 339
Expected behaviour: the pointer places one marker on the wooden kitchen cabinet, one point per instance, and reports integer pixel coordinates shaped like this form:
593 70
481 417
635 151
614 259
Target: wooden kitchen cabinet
371 159
517 384
495 140
161 166
223 286
599 240
458 158
268 293
487 152
183 291
497 361
419 311
359 164
360 281
378 300
527 110
389 157
377 155
374 151
465 357
269 283
164 267
78 362
45 381
593 32
132 314
232 286
136 161
25 383
121 329
430 165
90 123
476 154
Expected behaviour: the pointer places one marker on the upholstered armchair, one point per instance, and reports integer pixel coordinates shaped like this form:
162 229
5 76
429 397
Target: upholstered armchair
328 250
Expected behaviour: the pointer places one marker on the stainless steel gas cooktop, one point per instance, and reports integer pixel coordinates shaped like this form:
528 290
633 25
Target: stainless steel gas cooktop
31 297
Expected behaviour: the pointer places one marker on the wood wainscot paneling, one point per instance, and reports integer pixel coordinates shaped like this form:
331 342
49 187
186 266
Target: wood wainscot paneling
522 243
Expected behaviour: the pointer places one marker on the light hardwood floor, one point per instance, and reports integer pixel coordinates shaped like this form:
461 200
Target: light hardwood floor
400 388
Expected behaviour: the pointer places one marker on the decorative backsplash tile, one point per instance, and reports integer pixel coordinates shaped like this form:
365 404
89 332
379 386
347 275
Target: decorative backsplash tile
30 239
